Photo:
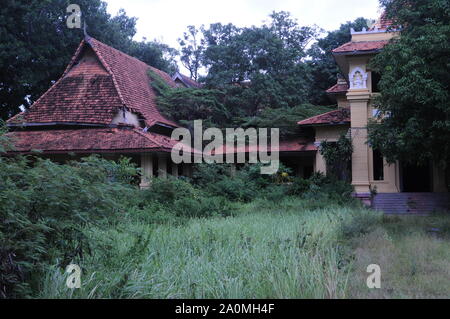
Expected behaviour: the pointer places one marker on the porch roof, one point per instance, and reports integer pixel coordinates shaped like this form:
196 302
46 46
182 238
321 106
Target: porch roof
336 117
90 140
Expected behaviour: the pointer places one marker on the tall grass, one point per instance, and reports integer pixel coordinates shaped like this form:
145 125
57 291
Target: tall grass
413 253
266 250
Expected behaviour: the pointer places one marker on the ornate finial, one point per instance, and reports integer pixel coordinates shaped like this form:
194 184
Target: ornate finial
84 30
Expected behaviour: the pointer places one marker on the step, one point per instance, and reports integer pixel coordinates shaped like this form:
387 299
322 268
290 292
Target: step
411 203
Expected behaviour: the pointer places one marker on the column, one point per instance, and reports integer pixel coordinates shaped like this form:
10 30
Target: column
146 169
186 170
174 170
320 164
359 100
162 165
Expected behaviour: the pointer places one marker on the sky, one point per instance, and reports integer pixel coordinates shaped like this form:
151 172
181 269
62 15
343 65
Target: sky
166 20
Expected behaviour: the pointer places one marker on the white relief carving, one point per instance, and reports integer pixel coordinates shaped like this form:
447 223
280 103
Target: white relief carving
358 79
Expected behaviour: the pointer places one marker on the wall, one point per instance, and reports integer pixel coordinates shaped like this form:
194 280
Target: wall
326 133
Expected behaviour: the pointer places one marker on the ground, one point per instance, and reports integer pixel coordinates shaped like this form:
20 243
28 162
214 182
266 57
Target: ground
287 249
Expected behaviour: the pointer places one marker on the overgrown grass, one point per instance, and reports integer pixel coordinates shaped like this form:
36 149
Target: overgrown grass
265 251
288 249
413 253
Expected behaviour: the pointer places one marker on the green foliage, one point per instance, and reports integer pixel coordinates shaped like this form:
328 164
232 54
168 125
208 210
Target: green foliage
338 156
247 184
285 119
414 123
269 57
218 180
181 199
37 45
43 208
322 66
244 184
192 48
155 54
284 250
5 143
204 104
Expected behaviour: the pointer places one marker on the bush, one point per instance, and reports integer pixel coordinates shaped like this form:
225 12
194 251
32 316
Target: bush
299 186
181 199
246 184
44 207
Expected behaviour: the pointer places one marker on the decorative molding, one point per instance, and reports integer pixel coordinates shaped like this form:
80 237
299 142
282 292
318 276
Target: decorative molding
358 79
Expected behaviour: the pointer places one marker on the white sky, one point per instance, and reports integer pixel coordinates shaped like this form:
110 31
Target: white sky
166 20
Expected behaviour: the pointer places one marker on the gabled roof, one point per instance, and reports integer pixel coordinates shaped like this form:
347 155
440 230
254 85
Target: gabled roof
185 80
92 140
96 89
338 88
383 23
336 117
361 47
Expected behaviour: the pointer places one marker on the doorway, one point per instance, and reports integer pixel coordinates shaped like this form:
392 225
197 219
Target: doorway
416 178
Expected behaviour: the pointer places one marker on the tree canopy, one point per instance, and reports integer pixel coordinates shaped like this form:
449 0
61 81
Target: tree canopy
322 66
250 71
415 84
37 45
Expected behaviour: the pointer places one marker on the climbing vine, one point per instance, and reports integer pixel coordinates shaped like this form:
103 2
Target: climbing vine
338 156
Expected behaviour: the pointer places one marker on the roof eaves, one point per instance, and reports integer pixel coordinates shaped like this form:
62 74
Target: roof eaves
108 68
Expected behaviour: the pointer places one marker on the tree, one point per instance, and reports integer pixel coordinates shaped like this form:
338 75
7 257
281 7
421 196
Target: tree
259 67
37 45
156 54
338 156
323 68
415 84
191 51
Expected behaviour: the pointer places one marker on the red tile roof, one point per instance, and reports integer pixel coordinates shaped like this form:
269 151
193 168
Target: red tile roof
93 92
133 82
186 81
338 88
83 99
383 23
361 46
124 139
293 145
335 117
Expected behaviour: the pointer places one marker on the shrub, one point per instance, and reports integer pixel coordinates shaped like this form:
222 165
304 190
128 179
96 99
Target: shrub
168 190
181 199
246 184
43 209
299 186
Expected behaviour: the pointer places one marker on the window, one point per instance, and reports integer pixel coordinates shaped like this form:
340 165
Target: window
378 166
375 80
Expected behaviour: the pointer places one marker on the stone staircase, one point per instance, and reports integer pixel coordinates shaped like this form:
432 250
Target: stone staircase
411 203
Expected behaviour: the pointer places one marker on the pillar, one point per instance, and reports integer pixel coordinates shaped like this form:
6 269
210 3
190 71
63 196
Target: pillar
320 164
146 169
359 109
233 169
162 165
174 170
187 170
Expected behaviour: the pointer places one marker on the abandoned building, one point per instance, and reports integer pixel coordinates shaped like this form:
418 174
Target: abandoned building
104 104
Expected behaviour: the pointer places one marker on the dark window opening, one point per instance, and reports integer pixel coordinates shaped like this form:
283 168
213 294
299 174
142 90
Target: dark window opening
378 166
155 165
416 178
375 81
308 171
